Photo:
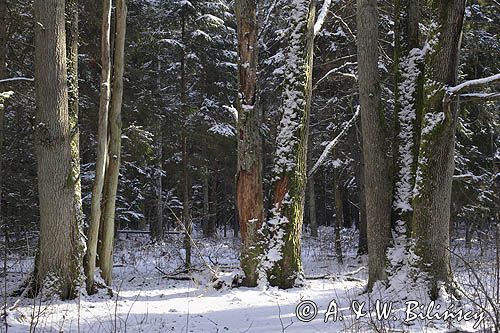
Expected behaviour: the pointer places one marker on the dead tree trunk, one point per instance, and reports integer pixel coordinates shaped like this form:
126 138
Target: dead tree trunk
249 192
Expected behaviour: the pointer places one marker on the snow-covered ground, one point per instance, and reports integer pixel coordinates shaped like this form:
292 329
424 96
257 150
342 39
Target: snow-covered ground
145 301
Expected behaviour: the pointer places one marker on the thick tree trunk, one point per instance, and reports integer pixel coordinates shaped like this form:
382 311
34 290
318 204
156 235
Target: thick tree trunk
377 178
102 148
283 259
249 192
58 265
408 92
114 151
432 200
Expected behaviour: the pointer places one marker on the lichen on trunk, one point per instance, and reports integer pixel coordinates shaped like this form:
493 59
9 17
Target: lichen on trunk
282 261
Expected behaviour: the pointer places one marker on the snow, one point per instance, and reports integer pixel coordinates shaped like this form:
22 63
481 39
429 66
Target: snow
322 16
410 71
145 301
223 129
294 100
473 83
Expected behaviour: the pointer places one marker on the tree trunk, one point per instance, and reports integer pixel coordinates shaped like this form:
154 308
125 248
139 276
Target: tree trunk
377 178
186 186
283 259
432 200
249 192
157 226
408 92
58 265
114 151
72 33
206 203
363 237
102 148
3 75
339 214
312 208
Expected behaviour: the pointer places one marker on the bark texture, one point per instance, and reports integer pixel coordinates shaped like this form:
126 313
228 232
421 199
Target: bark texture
102 147
114 151
408 96
376 169
436 165
249 192
283 259
57 266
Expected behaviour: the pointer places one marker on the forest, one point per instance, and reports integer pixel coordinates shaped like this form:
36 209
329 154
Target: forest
250 166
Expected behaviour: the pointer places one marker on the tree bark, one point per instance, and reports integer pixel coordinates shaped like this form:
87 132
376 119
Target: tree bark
432 200
249 192
408 96
58 265
283 259
339 214
377 178
102 148
114 151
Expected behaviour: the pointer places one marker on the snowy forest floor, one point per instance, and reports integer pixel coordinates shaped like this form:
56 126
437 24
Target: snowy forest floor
145 300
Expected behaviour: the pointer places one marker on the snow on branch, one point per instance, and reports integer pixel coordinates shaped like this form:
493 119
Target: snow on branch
332 144
14 79
322 16
336 70
489 96
472 83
